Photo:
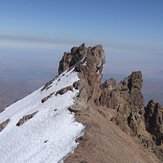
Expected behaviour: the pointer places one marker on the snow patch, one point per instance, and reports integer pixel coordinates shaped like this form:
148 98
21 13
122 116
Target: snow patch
50 135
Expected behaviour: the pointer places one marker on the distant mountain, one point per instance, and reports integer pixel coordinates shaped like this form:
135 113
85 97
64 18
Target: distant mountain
75 118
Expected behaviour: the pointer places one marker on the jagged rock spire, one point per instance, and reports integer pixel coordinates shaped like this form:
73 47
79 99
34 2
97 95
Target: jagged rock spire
83 59
89 62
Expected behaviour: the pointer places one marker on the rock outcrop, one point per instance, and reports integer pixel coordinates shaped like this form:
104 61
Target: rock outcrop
131 109
4 124
89 62
120 103
26 118
154 125
154 121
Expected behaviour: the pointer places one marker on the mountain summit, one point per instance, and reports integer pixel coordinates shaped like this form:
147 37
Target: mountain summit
75 118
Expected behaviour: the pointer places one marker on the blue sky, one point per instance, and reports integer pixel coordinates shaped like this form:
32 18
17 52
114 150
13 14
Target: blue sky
111 22
131 31
35 33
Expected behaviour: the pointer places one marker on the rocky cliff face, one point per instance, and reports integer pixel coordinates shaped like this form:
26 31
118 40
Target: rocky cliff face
126 98
89 62
154 120
120 103
154 125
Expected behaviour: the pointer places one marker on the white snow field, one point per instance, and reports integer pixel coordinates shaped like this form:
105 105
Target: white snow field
50 135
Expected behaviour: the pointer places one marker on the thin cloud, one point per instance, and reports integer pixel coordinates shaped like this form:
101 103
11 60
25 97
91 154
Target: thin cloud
34 39
134 48
29 41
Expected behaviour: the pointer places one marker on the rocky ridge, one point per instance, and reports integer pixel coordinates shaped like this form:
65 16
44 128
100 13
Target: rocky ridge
110 103
118 127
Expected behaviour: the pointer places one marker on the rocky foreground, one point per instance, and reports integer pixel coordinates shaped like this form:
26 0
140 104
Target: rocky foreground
119 128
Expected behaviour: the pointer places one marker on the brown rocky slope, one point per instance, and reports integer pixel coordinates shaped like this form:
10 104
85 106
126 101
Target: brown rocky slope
119 128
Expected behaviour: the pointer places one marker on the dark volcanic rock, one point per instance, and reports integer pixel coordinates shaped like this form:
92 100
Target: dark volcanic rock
126 98
105 94
26 118
4 124
46 98
131 109
89 62
154 121
64 90
71 58
86 60
154 125
2 110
